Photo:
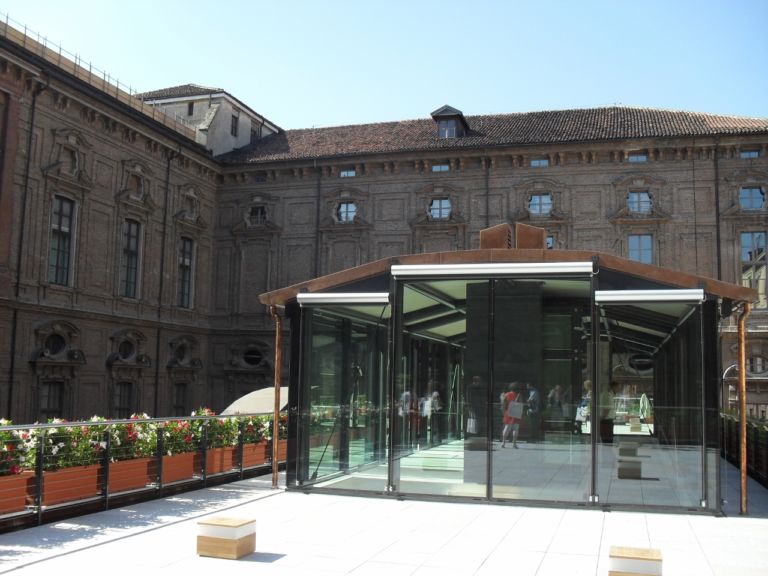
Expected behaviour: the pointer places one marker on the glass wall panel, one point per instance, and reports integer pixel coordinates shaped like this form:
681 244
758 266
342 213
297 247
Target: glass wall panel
541 452
441 388
650 408
343 439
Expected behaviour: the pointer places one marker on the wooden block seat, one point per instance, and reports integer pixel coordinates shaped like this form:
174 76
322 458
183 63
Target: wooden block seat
630 469
628 448
625 560
226 537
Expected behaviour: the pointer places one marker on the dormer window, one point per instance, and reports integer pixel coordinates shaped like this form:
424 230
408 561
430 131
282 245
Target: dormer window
446 128
450 122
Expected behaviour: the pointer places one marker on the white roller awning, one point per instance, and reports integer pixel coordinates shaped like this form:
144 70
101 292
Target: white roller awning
493 269
341 298
694 296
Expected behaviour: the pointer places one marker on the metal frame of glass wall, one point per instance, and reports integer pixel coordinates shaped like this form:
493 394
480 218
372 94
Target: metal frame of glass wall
518 382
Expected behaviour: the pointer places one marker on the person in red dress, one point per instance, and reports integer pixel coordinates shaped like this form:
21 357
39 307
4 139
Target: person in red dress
510 424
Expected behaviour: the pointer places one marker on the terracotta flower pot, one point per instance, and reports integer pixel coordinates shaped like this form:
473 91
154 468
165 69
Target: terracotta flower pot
131 474
70 484
180 467
14 491
254 454
219 460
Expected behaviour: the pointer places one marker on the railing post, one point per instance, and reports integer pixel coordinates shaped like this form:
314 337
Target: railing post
39 476
106 458
160 431
204 453
240 436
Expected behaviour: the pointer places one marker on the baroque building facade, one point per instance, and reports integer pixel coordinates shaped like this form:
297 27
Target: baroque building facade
131 258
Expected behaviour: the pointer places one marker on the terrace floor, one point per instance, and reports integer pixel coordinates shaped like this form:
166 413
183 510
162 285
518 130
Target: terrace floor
321 534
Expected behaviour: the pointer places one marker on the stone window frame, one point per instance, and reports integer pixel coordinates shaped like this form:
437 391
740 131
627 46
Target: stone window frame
331 206
639 182
257 215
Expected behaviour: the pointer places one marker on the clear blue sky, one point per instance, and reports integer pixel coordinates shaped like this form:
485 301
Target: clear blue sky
329 62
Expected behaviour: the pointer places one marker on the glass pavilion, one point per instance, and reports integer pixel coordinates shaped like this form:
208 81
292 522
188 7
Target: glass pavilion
398 370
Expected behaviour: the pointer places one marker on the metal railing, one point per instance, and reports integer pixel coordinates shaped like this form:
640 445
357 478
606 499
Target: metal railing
59 468
22 36
757 446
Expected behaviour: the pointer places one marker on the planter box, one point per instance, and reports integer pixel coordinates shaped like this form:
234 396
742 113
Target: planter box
131 474
254 454
69 485
14 491
218 460
179 467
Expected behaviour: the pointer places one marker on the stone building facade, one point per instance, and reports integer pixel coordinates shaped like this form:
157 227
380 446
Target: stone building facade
131 259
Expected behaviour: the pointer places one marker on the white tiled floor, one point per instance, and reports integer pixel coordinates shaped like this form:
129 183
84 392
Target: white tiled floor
342 535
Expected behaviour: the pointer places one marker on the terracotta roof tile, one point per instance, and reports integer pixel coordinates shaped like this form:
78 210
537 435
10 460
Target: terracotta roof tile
179 92
550 127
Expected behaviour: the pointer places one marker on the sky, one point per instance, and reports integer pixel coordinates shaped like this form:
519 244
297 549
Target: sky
305 63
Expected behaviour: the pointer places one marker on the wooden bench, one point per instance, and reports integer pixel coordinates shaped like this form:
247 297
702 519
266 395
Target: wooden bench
226 537
626 561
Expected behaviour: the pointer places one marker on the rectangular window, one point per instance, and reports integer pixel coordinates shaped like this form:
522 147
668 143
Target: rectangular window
186 269
441 168
347 212
190 108
348 173
550 242
639 202
123 400
258 215
539 162
440 209
60 256
751 198
235 125
637 157
129 270
752 153
180 399
540 205
51 400
641 248
753 265
446 129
